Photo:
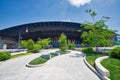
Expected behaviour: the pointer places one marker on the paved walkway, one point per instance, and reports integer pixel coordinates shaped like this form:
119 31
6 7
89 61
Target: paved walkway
65 67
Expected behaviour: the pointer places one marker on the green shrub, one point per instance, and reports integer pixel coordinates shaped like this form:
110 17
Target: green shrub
30 44
23 43
44 42
63 42
4 56
71 45
115 53
88 50
36 47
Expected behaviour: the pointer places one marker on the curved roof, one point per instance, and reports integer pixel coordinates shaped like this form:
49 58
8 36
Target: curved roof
43 30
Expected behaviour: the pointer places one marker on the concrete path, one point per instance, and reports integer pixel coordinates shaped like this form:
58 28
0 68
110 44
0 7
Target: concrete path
65 67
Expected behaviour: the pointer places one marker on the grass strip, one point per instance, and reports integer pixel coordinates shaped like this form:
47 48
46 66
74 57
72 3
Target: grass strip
92 57
19 55
113 65
38 60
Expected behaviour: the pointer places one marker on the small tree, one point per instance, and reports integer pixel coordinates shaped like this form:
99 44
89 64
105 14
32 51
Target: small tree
71 45
23 43
63 42
36 47
44 42
30 44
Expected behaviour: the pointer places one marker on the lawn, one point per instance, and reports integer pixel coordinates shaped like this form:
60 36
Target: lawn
19 55
92 57
113 65
38 60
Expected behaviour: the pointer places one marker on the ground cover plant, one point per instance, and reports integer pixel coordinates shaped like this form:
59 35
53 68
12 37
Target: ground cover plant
113 65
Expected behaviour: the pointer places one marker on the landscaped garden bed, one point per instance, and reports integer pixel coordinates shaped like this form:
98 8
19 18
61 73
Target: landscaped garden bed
38 60
44 58
92 57
113 65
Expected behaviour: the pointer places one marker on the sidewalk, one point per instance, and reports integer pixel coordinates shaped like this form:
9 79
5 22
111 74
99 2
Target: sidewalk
65 67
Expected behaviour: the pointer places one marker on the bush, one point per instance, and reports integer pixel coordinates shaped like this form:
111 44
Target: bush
4 56
63 42
23 43
88 50
30 44
115 53
71 45
44 42
36 48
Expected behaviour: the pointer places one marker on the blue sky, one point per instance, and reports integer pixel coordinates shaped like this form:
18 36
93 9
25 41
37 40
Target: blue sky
17 12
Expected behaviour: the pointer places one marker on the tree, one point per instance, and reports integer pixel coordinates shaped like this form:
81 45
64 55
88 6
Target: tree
30 44
71 45
36 47
44 42
97 33
23 43
63 42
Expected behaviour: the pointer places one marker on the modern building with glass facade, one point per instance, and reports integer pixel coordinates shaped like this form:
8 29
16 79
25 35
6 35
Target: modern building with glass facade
10 37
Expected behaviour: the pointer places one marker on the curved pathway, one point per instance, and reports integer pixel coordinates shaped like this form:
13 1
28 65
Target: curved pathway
65 67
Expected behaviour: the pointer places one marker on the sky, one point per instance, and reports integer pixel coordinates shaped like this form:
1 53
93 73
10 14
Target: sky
17 12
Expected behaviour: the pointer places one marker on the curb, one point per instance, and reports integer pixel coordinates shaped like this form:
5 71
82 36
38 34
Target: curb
39 65
94 70
103 71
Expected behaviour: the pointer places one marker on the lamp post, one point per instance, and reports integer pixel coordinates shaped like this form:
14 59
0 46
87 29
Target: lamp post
19 36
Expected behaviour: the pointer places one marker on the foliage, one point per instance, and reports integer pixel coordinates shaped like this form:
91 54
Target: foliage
44 42
30 45
97 33
71 45
92 57
88 50
36 47
116 43
63 42
113 65
19 55
115 53
38 60
4 56
23 43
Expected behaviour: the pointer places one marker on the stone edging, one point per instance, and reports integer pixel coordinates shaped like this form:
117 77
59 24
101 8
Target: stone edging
39 65
103 71
94 70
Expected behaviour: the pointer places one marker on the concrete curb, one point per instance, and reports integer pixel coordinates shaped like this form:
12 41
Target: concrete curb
39 65
103 71
94 70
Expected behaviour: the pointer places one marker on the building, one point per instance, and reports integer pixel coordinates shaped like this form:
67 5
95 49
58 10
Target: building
117 40
10 37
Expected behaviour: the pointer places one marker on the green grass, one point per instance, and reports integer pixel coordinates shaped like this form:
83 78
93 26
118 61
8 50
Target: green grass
41 60
19 55
113 65
63 52
92 57
53 55
38 60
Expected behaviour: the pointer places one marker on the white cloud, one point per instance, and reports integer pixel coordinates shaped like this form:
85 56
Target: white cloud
78 3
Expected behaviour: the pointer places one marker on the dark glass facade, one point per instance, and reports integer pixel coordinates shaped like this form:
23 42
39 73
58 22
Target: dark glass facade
51 29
